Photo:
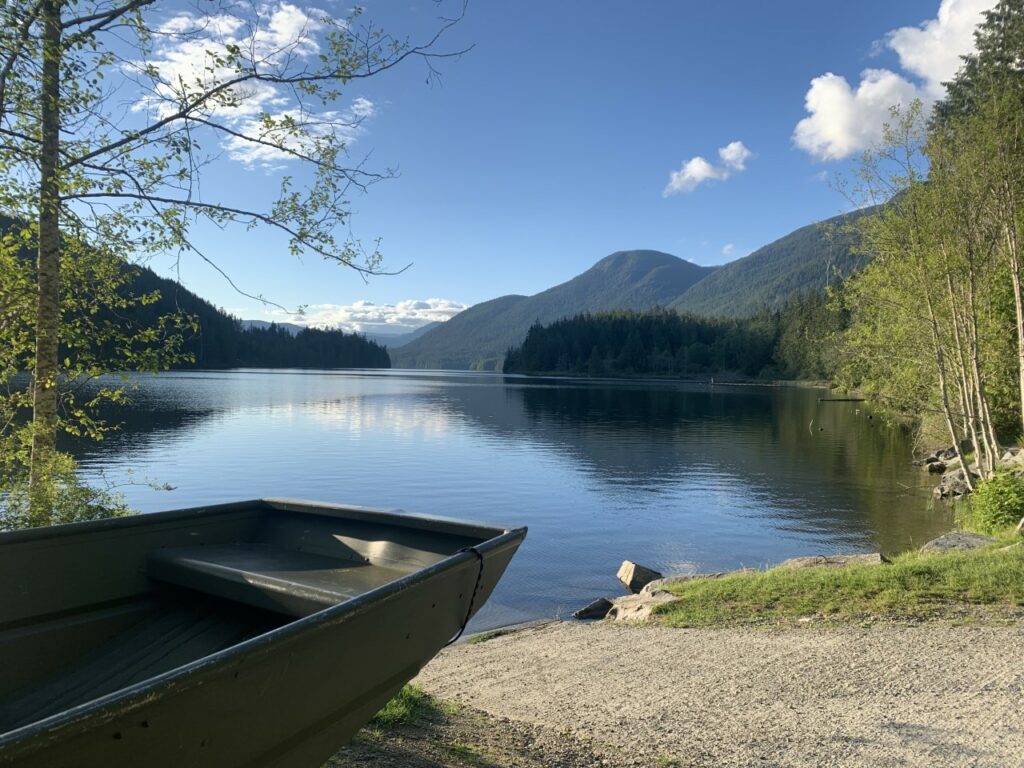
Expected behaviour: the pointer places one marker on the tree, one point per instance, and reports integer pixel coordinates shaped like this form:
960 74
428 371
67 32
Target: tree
112 111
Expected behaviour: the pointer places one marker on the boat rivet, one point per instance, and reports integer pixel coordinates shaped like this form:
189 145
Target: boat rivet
117 735
144 723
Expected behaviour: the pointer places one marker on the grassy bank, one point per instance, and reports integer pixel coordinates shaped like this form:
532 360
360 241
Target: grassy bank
988 582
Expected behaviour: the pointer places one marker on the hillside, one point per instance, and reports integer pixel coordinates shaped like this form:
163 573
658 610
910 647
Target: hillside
480 336
224 342
801 261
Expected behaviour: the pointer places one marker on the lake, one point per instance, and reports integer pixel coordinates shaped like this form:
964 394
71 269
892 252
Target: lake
682 477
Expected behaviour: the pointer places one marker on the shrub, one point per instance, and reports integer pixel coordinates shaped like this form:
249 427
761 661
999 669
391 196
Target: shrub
998 502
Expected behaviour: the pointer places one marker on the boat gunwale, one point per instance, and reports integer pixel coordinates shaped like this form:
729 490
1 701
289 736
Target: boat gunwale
189 675
436 523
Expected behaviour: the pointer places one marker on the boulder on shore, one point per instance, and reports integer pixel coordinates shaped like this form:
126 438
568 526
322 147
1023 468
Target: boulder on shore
638 607
831 561
954 483
957 541
635 576
595 610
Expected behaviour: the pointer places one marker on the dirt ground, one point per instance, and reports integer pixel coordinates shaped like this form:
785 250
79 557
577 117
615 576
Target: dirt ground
571 694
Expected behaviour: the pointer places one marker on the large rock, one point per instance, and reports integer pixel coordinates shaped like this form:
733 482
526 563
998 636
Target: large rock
638 608
595 610
953 483
635 576
1012 459
831 561
936 468
957 540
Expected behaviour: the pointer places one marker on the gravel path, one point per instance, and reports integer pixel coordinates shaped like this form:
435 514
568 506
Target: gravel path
932 695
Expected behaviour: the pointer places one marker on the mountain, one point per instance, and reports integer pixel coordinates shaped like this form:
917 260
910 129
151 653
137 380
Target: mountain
802 261
396 340
224 341
479 336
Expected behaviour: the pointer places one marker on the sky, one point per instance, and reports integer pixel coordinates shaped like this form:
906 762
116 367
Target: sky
569 130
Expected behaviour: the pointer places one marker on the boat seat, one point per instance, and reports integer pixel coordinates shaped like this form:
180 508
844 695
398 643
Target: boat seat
273 578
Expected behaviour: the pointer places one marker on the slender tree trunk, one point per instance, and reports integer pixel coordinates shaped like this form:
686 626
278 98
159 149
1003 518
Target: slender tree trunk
940 367
1013 253
44 380
989 448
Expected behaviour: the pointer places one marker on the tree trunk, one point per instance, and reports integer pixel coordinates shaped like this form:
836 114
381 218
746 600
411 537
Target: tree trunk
44 379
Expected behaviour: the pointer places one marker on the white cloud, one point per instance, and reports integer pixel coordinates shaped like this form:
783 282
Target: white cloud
843 120
728 248
346 125
735 155
188 55
369 317
697 170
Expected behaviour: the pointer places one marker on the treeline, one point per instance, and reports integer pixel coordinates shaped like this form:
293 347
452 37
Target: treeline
797 342
937 316
211 338
275 347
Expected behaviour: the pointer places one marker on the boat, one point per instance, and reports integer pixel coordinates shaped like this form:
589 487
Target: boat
256 633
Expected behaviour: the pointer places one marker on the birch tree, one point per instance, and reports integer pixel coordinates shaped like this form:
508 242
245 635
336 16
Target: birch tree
112 111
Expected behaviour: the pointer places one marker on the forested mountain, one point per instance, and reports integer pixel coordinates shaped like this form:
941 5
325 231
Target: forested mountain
653 342
480 336
805 260
799 341
222 342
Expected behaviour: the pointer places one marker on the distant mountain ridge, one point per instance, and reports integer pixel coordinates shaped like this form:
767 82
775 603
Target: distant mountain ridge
805 260
479 336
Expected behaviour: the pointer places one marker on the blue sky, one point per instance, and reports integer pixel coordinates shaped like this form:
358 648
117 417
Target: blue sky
575 129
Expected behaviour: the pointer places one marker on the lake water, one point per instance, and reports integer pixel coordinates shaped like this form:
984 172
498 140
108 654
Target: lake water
677 476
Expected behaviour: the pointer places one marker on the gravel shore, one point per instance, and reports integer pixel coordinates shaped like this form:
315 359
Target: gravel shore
889 695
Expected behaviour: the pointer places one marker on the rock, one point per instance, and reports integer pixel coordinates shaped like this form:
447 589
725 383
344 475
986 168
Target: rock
1012 459
595 610
634 576
936 468
957 541
955 463
638 607
831 561
953 483
949 453
661 584
930 459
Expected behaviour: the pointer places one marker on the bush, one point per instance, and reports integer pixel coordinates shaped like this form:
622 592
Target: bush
67 498
998 502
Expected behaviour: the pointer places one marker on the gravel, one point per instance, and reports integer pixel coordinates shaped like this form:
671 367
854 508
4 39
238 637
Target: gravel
889 695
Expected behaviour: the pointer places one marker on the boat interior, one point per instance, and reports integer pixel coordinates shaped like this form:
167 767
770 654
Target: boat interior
94 613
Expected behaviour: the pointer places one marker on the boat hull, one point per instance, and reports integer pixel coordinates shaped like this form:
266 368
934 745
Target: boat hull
287 696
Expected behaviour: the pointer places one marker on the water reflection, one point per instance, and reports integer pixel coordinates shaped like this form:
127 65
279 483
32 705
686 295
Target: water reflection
682 477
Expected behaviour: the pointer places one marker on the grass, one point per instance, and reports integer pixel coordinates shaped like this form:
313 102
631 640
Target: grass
409 706
483 637
913 586
468 754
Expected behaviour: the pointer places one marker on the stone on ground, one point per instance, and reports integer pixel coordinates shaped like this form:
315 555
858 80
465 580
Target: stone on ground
831 561
635 576
957 540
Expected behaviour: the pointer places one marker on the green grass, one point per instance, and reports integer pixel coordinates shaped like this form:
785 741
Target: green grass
913 586
409 705
468 754
483 637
